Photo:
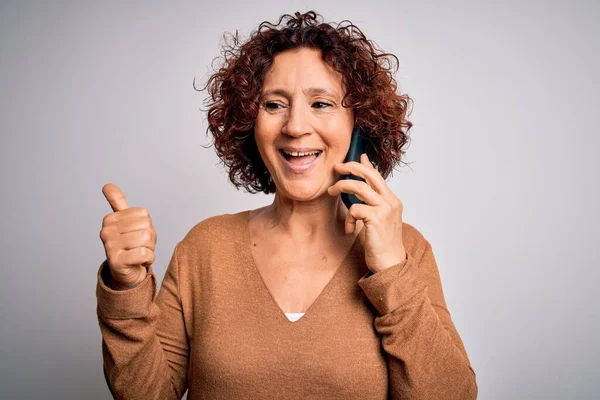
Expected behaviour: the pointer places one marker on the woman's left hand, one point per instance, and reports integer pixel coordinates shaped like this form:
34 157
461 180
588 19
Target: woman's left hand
381 213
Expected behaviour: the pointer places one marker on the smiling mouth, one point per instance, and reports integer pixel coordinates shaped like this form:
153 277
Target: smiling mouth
300 158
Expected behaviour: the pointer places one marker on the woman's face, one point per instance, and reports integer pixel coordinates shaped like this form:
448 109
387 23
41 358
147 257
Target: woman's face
301 129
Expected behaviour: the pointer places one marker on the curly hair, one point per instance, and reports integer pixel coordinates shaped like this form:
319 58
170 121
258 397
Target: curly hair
367 76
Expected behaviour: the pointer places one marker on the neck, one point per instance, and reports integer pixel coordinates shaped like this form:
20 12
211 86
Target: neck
307 220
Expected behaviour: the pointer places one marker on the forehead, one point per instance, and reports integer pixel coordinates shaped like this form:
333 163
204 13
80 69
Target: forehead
302 68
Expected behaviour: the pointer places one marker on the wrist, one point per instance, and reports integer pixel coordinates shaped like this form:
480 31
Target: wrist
390 262
116 285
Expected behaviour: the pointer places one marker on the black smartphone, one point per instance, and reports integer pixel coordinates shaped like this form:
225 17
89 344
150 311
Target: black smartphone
359 144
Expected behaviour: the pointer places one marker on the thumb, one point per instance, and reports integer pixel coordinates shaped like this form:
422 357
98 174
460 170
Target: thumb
115 197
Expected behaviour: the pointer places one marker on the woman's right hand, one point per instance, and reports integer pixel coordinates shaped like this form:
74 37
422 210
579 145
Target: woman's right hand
129 240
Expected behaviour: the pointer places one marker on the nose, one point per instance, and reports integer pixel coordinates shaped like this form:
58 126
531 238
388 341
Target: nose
298 122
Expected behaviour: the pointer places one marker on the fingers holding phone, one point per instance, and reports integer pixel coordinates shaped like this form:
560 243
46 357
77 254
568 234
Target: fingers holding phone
379 210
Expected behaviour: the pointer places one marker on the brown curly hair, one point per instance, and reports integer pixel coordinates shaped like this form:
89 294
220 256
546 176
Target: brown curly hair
367 76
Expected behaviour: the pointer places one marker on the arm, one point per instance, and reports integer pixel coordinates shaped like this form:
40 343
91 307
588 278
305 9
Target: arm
426 357
144 342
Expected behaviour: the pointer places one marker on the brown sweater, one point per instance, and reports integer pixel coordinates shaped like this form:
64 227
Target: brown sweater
214 328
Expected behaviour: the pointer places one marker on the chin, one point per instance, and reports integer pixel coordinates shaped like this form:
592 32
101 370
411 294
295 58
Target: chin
301 191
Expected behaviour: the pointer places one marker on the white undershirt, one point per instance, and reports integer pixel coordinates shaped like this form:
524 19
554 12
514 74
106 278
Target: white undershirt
294 316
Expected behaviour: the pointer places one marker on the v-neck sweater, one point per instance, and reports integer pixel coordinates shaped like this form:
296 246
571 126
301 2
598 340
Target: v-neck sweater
215 330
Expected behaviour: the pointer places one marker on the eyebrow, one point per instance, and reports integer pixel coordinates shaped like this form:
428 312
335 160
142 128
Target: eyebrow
310 91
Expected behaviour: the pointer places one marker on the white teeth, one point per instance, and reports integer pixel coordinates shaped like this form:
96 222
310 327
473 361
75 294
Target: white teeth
298 154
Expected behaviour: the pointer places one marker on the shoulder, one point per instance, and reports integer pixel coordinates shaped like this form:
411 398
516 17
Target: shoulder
213 238
414 242
216 228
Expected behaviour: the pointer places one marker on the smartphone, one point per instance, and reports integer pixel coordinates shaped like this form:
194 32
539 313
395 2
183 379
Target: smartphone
359 144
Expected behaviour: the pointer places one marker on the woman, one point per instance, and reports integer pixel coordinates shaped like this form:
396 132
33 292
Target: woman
303 298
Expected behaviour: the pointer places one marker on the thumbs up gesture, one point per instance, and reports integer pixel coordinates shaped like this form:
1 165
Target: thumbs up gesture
129 240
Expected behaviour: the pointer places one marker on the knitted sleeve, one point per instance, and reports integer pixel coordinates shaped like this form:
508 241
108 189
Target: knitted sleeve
144 341
426 357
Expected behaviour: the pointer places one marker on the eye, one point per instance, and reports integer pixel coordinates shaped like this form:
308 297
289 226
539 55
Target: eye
321 104
270 105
